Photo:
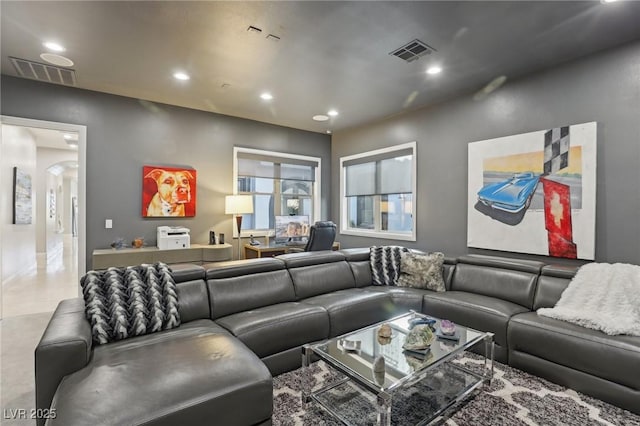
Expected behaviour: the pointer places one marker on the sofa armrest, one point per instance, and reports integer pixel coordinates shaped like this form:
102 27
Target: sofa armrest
65 347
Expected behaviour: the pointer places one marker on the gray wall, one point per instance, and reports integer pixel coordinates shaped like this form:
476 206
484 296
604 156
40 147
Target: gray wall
603 88
123 134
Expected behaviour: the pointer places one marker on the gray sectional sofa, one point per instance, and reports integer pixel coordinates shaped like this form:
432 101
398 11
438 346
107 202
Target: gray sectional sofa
246 321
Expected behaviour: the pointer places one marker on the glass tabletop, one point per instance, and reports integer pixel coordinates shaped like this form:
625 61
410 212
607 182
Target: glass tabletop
359 354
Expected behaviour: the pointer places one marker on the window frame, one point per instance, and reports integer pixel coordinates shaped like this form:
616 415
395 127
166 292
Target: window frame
316 186
377 232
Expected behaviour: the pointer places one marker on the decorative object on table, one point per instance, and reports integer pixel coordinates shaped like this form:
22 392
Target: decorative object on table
118 244
422 321
22 201
447 327
385 334
420 337
168 191
131 301
238 205
455 337
385 264
221 238
212 237
253 241
173 237
379 367
350 345
137 242
509 210
420 270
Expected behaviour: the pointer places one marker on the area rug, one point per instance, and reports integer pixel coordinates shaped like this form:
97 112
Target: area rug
514 398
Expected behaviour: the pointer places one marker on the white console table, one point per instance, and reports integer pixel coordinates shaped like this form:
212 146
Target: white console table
197 253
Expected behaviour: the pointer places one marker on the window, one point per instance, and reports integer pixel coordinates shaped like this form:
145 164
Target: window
378 193
281 184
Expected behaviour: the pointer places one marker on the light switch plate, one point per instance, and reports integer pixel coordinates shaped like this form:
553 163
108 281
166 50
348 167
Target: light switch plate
108 224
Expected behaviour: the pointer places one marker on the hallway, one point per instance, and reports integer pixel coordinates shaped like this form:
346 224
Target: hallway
28 302
40 290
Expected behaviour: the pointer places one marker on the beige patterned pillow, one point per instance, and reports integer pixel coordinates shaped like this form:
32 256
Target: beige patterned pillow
422 271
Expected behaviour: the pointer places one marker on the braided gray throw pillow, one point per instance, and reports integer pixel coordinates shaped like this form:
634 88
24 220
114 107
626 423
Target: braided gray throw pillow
131 301
385 264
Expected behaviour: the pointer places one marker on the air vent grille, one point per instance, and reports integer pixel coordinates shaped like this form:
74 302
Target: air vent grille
413 51
44 72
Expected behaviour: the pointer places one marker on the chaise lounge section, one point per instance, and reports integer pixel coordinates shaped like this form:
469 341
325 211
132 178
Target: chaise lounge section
244 321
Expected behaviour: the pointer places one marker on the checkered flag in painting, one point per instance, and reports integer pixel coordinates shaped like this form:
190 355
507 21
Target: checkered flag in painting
556 150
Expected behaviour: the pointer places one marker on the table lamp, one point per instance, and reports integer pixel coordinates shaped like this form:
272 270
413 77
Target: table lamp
238 205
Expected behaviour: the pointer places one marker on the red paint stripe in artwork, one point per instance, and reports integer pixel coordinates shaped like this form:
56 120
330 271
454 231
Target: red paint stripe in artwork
557 218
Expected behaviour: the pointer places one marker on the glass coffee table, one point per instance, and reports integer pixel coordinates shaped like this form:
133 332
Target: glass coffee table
383 384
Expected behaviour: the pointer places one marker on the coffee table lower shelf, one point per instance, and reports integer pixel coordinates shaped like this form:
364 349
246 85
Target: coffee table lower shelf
418 404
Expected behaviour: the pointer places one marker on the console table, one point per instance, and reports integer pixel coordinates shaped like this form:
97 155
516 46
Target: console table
197 253
271 250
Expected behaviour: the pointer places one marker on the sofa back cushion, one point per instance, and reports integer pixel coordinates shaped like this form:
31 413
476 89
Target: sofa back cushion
358 259
243 285
315 273
448 268
508 279
552 282
193 298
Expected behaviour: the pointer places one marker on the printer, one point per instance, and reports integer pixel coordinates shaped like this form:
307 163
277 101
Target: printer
173 237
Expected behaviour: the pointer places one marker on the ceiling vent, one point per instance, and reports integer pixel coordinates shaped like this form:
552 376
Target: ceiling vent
43 72
413 51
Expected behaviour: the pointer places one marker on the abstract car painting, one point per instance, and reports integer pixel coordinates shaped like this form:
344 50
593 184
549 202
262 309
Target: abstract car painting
168 192
534 192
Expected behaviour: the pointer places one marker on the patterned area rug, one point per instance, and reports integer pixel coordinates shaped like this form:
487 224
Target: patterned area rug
514 398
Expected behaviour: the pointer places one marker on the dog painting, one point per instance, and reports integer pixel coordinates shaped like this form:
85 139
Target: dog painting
168 192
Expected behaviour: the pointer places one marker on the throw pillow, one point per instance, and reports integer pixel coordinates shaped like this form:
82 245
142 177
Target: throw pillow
131 301
385 264
422 271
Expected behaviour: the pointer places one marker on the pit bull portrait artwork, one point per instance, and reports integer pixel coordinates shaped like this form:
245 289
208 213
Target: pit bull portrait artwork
168 191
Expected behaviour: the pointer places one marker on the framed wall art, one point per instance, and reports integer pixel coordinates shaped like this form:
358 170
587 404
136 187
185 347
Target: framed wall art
168 192
22 201
534 192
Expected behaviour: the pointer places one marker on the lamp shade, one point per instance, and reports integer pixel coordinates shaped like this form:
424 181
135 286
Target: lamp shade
238 204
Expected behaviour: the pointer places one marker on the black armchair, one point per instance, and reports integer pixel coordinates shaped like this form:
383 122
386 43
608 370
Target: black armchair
321 237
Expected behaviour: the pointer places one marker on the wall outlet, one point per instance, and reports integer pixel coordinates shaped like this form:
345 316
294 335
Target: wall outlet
108 224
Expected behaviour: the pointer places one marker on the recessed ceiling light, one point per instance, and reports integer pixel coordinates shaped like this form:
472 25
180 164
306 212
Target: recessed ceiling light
606 1
58 60
328 132
181 76
332 113
266 96
434 70
320 117
54 46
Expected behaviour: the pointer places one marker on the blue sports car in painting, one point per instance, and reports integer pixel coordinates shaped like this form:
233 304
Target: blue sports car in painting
511 195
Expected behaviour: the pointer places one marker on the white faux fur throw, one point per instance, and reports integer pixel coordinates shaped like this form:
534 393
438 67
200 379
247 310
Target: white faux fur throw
601 296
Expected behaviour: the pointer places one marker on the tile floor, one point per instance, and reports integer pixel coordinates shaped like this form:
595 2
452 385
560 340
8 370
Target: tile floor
28 302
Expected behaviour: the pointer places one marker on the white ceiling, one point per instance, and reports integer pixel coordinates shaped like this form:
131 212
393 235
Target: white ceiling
46 138
330 54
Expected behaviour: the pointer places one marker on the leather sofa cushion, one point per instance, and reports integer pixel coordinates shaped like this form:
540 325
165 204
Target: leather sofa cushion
476 311
354 308
313 280
513 285
613 358
245 292
551 283
179 376
276 328
187 272
193 300
361 273
404 298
